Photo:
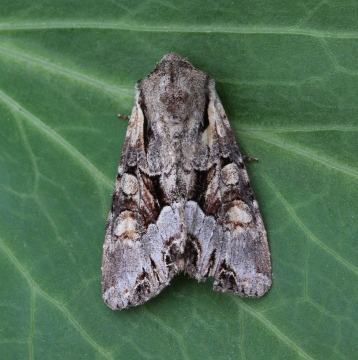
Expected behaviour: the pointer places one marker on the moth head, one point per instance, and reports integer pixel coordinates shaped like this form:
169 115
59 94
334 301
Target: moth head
174 88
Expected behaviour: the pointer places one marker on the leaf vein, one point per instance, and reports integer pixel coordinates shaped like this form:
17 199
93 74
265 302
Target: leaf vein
52 300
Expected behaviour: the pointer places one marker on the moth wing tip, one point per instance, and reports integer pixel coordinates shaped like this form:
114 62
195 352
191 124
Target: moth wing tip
250 287
114 300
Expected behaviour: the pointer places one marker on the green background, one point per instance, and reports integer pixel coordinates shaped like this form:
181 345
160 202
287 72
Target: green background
287 74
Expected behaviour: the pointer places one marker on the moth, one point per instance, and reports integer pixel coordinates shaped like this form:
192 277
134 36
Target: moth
182 199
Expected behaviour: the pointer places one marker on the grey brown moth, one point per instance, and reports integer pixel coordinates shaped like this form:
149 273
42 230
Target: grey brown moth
182 199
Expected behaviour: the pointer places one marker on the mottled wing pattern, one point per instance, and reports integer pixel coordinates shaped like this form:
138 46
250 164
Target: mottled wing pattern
135 265
227 238
182 198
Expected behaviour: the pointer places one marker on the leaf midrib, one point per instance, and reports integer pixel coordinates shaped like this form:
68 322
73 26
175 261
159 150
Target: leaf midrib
292 30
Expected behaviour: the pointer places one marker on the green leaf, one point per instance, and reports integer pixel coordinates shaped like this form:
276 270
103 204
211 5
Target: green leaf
287 74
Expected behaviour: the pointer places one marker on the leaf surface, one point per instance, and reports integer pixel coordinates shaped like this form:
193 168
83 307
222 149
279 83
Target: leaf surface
287 74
